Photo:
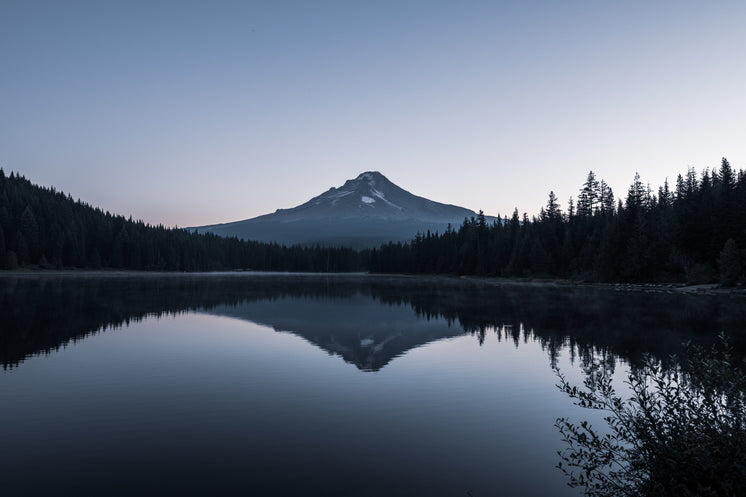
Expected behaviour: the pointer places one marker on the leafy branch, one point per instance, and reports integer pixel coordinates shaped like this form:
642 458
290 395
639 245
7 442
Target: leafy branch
681 432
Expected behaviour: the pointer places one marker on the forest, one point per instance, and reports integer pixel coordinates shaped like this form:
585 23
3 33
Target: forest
43 228
693 231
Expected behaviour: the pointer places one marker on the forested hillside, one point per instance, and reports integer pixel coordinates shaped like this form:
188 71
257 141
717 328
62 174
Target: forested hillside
45 228
693 231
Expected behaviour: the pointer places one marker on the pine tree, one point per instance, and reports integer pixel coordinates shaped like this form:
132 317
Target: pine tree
691 184
729 263
636 193
588 197
680 188
481 220
664 195
726 176
553 212
606 198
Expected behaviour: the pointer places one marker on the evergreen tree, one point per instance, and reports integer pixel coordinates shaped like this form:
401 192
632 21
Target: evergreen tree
680 188
729 263
726 176
606 198
664 195
691 185
635 194
589 196
553 212
649 199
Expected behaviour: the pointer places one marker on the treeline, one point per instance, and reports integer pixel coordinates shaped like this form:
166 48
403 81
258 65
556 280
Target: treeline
694 231
44 228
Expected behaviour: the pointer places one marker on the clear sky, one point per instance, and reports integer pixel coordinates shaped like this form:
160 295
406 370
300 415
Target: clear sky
189 113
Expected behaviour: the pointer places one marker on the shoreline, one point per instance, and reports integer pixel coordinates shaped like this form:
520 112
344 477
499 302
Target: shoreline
658 288
669 288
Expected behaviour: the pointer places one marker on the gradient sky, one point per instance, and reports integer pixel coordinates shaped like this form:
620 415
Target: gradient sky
191 113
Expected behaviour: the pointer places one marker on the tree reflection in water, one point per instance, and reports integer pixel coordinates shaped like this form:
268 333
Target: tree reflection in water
41 313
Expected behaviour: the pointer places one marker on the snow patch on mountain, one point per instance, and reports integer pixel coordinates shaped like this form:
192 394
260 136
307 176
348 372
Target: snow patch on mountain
380 195
368 200
334 195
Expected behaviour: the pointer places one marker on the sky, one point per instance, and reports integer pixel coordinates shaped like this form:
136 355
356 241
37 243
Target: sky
191 113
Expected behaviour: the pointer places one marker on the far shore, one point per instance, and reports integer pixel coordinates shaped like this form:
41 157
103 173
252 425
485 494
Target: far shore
680 288
672 288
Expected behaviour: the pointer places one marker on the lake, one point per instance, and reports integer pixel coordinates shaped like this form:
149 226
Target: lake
349 385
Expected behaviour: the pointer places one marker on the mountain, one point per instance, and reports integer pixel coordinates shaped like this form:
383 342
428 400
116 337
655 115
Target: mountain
364 212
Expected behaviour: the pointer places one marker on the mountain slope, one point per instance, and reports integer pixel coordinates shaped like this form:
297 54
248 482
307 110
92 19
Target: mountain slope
363 212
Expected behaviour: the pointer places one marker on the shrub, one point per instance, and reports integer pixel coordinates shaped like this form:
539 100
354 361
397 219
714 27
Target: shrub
682 432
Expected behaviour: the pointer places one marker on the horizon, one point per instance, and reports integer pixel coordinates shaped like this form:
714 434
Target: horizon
190 114
503 215
83 201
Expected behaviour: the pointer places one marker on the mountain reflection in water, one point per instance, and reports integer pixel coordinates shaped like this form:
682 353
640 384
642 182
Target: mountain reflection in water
342 315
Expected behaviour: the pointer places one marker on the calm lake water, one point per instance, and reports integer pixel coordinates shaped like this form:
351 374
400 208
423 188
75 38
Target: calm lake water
355 385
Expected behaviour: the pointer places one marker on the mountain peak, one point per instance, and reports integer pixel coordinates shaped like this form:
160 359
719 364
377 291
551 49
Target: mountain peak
364 211
369 178
370 175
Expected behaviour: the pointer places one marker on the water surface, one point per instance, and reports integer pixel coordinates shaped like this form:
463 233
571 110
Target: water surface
308 385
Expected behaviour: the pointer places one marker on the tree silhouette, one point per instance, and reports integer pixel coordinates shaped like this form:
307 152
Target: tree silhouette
672 236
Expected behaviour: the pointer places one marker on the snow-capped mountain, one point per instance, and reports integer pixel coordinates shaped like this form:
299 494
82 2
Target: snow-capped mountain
363 212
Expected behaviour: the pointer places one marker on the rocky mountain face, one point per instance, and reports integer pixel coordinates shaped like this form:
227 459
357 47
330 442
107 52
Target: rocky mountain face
363 212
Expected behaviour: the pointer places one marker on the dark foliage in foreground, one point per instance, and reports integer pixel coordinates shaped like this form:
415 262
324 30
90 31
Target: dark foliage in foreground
694 232
677 435
45 228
